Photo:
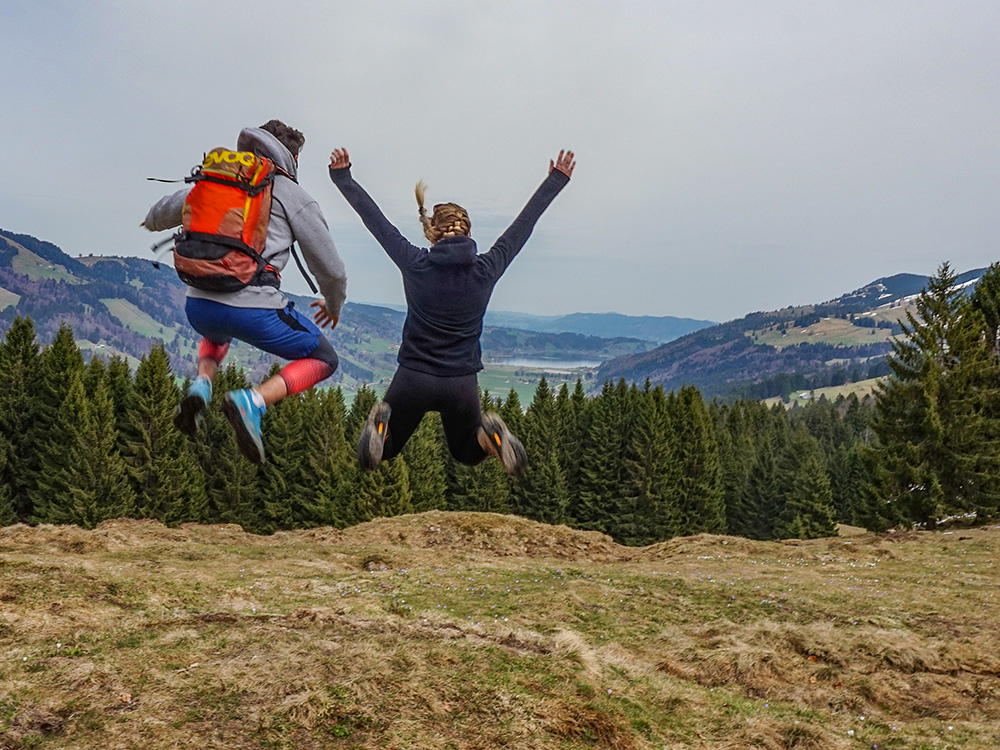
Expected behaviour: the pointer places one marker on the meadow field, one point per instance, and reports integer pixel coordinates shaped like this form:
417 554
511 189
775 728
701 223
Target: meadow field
472 630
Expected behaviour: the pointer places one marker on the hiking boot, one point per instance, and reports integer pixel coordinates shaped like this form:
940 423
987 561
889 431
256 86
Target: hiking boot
373 435
244 415
496 439
190 412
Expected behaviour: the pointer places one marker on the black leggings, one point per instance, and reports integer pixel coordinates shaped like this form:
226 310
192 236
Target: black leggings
412 394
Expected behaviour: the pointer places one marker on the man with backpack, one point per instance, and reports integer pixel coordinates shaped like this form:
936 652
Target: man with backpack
240 220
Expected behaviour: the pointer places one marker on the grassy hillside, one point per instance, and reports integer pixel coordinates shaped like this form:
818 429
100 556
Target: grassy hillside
481 631
35 267
861 389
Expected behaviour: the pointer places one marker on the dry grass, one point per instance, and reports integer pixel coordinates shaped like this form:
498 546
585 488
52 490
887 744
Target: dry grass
482 631
834 331
862 389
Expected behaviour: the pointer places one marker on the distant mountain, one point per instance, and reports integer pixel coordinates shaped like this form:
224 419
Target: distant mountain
606 325
772 353
888 290
123 305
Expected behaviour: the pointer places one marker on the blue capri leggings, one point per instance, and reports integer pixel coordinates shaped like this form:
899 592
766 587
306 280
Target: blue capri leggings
285 333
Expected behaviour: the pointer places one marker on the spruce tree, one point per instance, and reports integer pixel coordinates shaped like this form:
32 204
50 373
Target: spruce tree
425 459
330 460
760 501
168 482
652 474
598 504
59 363
94 373
541 494
856 419
824 424
285 484
84 479
7 515
936 414
750 437
843 471
985 299
513 413
231 482
571 409
805 508
382 492
120 385
485 487
20 406
699 494
869 506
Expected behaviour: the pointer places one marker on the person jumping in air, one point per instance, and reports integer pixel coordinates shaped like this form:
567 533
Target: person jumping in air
252 308
447 290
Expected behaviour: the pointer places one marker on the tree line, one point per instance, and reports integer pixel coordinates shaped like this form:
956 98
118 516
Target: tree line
84 441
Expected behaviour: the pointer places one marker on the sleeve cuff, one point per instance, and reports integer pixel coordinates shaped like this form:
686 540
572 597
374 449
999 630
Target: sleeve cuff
341 174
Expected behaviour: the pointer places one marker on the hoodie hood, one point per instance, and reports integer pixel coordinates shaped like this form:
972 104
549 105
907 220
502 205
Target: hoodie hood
453 251
264 144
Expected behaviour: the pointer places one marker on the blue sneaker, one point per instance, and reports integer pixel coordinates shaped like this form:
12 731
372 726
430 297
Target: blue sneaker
244 415
190 412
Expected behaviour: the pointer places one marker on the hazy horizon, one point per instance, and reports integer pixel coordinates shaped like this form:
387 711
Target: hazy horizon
731 157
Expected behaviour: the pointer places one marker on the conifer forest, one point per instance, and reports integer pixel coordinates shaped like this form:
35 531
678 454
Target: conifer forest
85 441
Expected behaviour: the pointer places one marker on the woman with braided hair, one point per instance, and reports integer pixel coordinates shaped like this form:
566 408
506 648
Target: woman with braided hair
447 289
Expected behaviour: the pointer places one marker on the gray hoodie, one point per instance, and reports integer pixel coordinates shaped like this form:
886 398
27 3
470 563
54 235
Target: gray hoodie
295 217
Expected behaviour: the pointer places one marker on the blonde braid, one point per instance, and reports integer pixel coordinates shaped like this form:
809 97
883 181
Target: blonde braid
448 219
425 222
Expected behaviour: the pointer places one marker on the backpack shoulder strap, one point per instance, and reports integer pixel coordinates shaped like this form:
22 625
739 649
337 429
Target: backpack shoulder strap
302 270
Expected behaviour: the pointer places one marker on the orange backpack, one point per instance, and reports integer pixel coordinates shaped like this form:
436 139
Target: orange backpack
224 222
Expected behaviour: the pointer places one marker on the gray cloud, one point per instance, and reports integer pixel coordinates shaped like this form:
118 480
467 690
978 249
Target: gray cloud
732 156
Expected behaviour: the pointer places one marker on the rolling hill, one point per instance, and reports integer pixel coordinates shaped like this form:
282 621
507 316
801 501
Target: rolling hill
123 305
768 354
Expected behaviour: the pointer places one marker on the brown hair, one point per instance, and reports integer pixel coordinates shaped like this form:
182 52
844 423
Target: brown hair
289 137
448 219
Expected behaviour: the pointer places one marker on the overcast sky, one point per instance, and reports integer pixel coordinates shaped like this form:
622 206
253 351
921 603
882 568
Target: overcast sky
732 156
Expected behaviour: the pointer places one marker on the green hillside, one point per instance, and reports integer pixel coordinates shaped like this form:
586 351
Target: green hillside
8 299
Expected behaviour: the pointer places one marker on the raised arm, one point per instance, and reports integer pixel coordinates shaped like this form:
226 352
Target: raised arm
396 246
506 248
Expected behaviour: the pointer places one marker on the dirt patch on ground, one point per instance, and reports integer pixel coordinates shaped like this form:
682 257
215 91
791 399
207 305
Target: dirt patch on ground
488 534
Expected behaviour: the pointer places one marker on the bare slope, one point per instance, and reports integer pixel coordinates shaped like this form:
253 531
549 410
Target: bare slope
472 630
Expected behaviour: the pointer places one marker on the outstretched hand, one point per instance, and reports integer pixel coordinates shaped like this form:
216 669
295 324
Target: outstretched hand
565 163
323 317
340 158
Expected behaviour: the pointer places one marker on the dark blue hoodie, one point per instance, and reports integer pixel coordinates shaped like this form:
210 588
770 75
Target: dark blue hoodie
448 286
